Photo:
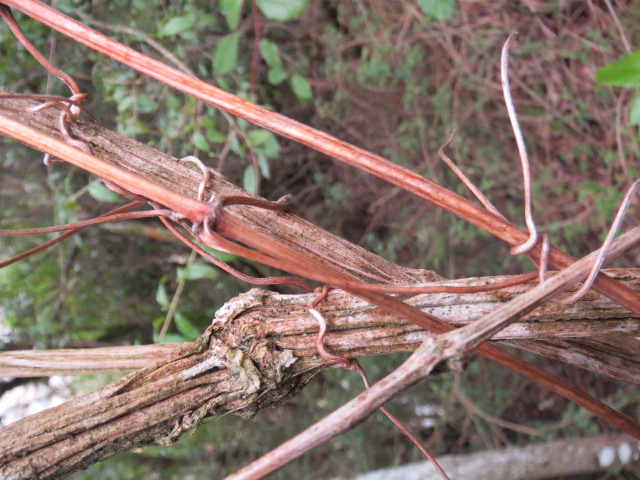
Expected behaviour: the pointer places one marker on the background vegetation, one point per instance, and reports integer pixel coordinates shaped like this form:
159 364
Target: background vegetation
392 77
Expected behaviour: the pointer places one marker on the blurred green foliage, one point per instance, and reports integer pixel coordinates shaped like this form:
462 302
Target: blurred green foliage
624 73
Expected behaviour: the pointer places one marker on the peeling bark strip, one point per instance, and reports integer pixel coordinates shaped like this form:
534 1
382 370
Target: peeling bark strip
576 334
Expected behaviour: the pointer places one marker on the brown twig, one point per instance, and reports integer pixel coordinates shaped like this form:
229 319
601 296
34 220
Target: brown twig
463 177
56 240
358 330
50 101
67 114
7 16
281 256
602 252
106 218
298 282
431 353
255 56
192 209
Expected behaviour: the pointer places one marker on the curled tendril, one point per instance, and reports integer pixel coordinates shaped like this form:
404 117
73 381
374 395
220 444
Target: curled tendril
354 365
71 107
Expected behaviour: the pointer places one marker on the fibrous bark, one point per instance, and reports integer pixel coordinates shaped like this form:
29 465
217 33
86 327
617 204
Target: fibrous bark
565 332
185 179
258 352
154 405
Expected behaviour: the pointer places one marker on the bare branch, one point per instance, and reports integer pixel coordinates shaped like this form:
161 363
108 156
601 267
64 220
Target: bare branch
434 351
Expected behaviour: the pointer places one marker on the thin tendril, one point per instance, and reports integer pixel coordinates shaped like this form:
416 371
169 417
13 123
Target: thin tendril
461 175
544 257
522 149
7 16
602 252
353 364
88 223
205 174
56 240
298 282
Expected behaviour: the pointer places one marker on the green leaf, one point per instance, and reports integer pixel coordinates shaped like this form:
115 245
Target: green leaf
204 21
635 110
172 102
282 10
623 73
301 88
235 145
161 295
176 25
249 180
259 136
200 141
225 57
214 136
440 9
196 271
266 146
125 104
222 256
231 9
276 76
270 53
186 328
100 192
173 338
146 104
264 166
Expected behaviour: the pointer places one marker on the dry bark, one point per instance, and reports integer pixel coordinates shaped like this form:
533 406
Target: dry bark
185 179
258 352
565 332
154 405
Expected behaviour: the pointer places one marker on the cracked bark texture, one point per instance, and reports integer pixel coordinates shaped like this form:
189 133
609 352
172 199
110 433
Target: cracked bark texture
259 352
154 405
594 333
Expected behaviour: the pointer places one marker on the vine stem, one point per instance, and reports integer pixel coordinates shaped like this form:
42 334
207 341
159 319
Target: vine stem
194 210
312 138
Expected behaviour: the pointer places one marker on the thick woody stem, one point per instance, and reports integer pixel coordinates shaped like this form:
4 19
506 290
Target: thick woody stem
357 328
